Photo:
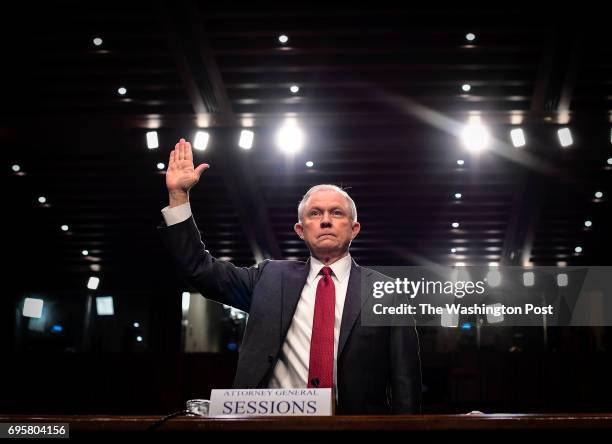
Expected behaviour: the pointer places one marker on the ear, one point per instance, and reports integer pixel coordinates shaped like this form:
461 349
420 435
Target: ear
356 229
299 230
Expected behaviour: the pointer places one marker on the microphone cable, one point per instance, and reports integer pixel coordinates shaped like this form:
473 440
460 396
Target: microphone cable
161 421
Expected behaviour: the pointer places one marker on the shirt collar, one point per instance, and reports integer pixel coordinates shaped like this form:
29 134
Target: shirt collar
341 268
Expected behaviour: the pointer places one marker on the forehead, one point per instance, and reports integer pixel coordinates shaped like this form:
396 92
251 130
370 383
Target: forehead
326 198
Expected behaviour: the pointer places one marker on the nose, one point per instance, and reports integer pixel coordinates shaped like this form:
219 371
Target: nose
326 220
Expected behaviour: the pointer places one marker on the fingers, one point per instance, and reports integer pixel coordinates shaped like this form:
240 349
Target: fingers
175 154
171 159
188 153
182 149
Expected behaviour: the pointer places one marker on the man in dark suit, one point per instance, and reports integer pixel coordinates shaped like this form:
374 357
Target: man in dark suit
303 328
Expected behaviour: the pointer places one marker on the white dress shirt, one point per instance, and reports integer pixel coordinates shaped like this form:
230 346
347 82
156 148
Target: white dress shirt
176 215
291 370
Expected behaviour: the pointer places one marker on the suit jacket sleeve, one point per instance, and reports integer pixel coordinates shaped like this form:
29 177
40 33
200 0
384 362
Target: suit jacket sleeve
214 279
405 366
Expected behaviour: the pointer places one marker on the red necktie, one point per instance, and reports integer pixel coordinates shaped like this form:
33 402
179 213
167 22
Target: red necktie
321 368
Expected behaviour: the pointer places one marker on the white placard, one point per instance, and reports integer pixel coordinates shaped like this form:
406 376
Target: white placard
271 402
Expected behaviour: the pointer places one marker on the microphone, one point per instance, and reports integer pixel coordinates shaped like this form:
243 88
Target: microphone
315 382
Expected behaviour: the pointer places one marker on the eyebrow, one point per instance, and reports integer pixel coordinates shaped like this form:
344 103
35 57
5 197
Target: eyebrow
320 209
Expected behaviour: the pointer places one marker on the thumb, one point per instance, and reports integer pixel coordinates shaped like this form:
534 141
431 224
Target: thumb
201 168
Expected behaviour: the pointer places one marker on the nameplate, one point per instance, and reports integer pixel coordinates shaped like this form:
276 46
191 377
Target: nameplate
271 402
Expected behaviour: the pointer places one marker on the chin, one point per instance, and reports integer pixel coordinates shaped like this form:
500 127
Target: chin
328 249
328 245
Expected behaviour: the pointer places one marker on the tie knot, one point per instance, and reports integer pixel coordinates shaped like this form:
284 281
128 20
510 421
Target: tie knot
326 271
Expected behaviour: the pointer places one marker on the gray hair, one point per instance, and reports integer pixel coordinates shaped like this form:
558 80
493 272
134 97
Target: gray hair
324 187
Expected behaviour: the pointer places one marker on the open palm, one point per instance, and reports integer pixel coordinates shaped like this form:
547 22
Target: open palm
181 174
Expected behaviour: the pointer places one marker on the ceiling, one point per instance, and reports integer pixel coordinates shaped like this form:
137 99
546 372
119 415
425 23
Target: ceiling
381 105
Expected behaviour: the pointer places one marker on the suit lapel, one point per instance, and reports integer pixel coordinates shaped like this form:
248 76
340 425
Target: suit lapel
352 305
293 282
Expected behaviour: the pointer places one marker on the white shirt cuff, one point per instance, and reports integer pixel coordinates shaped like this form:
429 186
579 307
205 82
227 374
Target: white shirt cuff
176 215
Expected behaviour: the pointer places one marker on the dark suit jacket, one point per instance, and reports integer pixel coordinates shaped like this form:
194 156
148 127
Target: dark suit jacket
378 368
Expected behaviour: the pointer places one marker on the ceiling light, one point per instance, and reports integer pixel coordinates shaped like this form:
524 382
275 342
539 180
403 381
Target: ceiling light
565 137
290 137
93 283
152 140
518 137
475 137
246 139
201 140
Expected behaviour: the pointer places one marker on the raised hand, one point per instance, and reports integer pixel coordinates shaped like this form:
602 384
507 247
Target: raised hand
181 175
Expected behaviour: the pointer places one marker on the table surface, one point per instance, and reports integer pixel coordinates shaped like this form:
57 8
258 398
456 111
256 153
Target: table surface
327 423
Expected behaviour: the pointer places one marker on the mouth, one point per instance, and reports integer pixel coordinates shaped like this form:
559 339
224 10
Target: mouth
326 234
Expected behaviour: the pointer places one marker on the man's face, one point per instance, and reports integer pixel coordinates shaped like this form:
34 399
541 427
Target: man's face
326 227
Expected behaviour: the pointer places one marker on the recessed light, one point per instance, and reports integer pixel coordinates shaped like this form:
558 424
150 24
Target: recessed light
93 283
518 137
246 139
475 137
152 140
201 140
565 137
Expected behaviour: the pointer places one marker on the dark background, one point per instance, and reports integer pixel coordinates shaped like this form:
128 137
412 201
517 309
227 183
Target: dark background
380 102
